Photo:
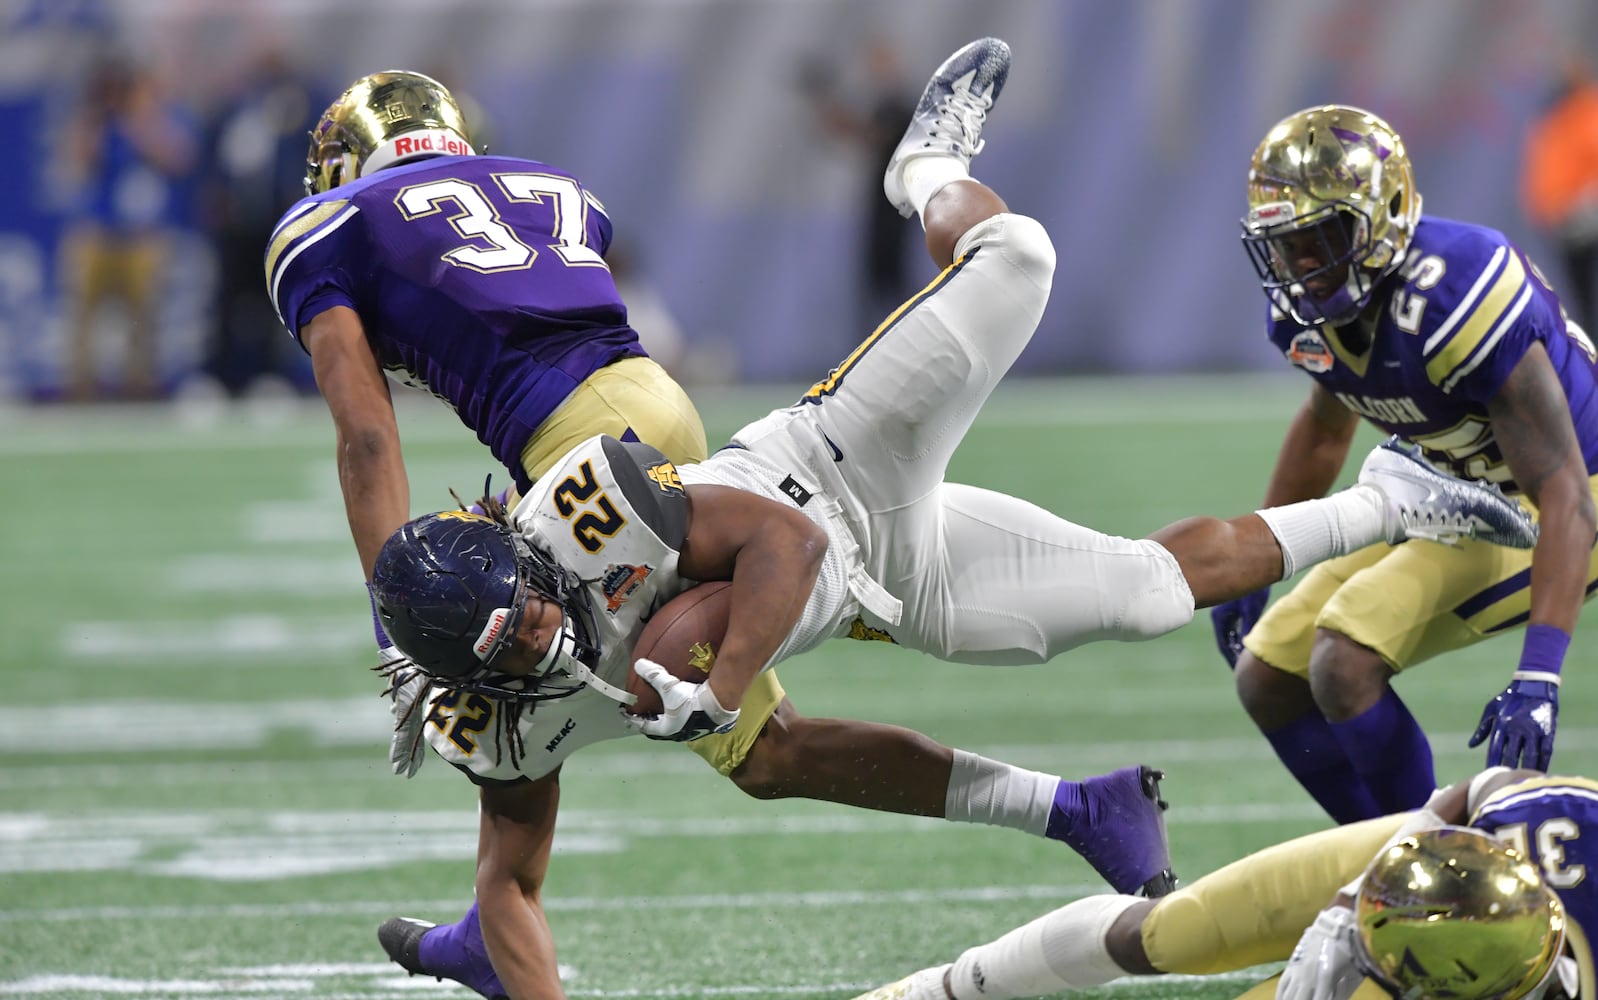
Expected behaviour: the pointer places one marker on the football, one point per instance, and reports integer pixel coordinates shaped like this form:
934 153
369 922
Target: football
697 617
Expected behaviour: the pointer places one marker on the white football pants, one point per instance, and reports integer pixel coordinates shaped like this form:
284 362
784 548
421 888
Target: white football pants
983 577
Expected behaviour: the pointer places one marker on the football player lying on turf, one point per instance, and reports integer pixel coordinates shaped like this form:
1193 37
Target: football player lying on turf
1420 908
827 516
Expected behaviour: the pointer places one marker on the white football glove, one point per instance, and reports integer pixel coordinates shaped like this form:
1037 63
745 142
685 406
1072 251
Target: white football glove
407 684
690 710
1322 966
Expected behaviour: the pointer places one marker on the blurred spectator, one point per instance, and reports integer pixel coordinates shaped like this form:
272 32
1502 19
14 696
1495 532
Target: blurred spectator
873 121
647 312
1560 184
255 170
128 149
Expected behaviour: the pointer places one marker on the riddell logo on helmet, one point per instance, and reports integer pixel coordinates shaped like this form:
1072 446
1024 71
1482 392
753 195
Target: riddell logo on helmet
431 142
491 633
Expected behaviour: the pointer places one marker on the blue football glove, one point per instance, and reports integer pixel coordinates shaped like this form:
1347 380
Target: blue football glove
1233 620
1521 721
689 710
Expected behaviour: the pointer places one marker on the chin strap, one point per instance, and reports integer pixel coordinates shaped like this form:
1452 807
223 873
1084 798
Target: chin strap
559 658
579 670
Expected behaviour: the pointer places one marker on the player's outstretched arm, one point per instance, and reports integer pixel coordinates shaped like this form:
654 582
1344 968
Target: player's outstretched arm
1531 422
772 554
371 471
515 832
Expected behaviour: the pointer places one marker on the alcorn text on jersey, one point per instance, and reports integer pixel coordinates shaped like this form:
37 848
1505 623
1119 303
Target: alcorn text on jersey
479 278
1462 310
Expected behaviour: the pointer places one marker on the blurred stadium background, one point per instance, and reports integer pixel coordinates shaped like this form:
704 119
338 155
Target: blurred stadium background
1127 131
193 794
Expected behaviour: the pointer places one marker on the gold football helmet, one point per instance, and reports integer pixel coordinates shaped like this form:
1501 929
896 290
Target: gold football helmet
1332 206
1455 913
384 119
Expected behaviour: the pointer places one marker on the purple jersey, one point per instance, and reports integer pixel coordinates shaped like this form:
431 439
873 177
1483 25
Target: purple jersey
478 278
1457 316
1552 821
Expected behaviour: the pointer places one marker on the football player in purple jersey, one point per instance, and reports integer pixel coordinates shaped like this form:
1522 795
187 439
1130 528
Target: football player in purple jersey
1445 335
483 280
829 517
1415 905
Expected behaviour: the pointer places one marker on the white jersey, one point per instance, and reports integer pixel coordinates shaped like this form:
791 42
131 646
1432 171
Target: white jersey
615 515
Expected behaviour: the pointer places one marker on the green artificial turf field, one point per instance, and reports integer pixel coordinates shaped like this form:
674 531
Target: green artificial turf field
194 797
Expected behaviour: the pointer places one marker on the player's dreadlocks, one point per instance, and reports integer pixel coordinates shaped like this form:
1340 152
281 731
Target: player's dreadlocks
401 674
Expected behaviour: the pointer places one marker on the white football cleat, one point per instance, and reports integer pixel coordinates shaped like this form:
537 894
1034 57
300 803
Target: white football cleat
1425 502
948 120
924 985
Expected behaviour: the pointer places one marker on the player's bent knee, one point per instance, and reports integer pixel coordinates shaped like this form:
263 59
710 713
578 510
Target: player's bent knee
1027 245
1272 697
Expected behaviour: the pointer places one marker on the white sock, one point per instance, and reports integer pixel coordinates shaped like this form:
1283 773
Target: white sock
925 176
997 794
1313 531
1061 950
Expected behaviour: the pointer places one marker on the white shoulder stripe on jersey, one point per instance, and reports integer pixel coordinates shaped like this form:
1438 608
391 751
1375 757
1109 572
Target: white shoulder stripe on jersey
1517 798
1486 349
1468 303
304 244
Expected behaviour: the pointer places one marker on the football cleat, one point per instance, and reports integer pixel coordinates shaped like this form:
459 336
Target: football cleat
1123 836
401 937
924 985
455 951
1425 502
948 120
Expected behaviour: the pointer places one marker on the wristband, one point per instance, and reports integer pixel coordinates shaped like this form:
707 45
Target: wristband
1542 654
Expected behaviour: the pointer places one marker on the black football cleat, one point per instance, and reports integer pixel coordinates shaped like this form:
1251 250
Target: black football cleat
401 937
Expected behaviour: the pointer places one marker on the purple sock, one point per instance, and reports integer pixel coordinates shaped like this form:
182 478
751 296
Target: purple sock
457 952
1310 751
1069 810
1390 753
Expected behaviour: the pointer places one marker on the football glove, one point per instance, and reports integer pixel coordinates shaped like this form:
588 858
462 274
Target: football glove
1322 966
689 710
1520 721
407 687
1233 620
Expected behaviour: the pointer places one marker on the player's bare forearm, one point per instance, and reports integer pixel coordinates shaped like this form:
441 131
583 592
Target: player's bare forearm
1531 421
1313 451
371 468
772 554
516 830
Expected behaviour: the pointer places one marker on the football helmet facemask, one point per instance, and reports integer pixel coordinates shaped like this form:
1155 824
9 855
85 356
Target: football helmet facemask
384 119
450 590
1332 206
1456 913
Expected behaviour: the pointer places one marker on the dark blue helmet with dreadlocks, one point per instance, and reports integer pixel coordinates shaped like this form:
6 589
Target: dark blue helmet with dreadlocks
450 589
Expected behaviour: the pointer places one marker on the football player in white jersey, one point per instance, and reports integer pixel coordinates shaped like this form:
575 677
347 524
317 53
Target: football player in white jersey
827 516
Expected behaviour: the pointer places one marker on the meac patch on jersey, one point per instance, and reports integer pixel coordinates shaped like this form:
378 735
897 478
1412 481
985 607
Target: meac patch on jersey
614 513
